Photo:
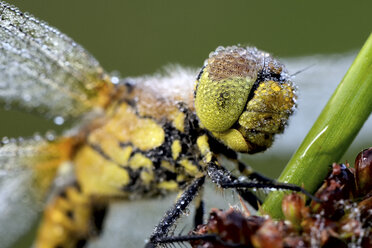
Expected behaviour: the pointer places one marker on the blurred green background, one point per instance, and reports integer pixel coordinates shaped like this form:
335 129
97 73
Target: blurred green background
139 37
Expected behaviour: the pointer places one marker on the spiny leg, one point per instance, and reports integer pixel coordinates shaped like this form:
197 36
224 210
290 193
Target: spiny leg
201 237
210 158
220 176
174 213
273 185
223 178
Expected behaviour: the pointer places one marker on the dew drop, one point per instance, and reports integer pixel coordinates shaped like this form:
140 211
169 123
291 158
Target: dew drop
5 140
26 97
37 137
115 80
220 49
59 120
50 135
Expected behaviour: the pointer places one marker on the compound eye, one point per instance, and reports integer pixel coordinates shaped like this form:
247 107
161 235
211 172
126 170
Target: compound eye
224 86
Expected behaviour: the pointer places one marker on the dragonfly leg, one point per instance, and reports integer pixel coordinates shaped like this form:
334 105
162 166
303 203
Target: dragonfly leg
223 177
229 181
162 229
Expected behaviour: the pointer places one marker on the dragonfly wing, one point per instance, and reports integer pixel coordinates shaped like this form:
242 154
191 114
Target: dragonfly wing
19 206
27 171
44 70
20 203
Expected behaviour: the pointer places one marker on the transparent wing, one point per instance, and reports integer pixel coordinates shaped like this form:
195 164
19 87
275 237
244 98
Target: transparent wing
42 69
19 202
19 206
27 170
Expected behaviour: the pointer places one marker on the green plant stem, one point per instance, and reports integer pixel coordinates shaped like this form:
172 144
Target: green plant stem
332 133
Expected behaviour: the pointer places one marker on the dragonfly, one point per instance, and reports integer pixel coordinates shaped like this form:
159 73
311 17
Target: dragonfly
134 137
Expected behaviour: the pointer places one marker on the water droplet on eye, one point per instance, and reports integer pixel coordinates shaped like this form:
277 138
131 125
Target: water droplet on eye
220 48
59 120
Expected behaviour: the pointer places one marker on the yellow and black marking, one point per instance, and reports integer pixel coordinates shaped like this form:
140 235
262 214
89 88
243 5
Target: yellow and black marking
139 155
126 155
70 218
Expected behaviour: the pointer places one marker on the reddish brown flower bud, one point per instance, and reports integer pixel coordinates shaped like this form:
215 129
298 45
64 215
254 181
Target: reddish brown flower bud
268 236
365 209
292 206
363 172
231 226
338 186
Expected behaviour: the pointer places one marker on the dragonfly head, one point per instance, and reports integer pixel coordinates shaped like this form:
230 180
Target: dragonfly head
243 97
